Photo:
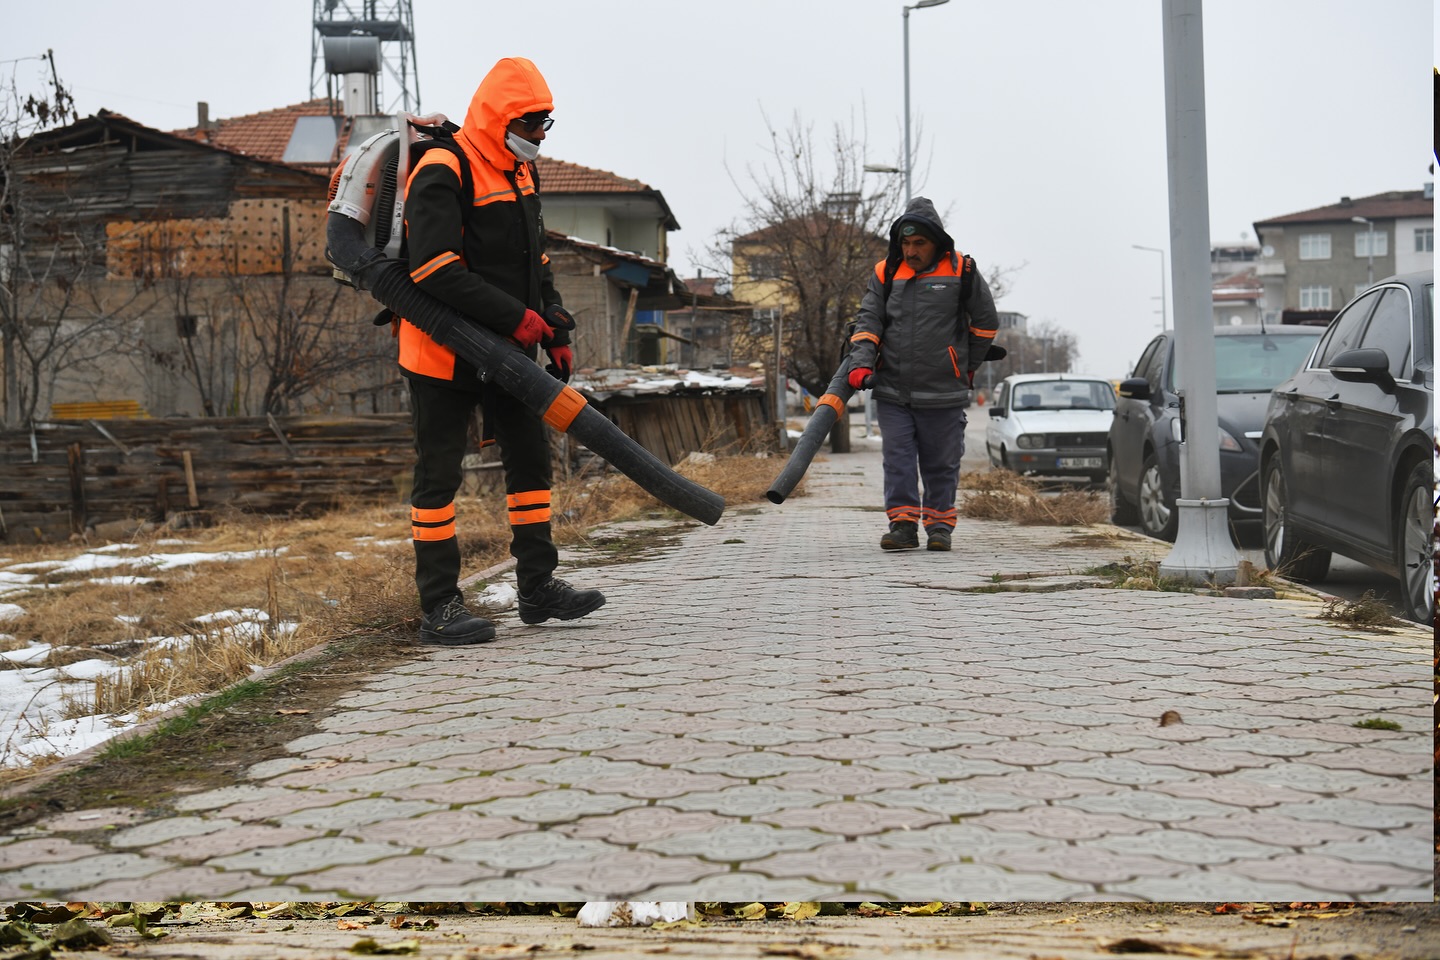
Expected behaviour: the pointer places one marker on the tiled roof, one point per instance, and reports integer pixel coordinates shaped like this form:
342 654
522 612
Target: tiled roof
263 135
266 135
1240 286
560 176
1381 206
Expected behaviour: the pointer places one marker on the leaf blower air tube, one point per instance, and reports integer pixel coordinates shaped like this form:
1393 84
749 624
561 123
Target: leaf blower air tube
828 409
503 364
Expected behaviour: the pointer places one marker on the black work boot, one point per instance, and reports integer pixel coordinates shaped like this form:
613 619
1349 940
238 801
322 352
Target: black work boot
938 538
556 598
902 535
452 625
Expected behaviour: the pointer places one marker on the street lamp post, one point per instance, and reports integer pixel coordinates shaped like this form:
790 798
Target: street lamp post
1369 248
1162 280
905 12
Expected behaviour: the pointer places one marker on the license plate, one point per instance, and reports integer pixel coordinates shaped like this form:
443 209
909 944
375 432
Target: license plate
1080 463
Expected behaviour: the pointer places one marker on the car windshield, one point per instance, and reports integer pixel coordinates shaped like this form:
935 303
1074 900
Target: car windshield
1063 395
1256 363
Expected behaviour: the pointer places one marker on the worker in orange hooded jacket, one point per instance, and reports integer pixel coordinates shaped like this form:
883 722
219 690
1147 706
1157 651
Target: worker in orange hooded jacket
482 251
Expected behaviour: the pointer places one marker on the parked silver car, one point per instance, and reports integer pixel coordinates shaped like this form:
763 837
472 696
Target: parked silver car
1050 424
1347 454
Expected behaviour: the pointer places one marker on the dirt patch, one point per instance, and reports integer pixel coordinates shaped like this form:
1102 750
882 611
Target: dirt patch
199 750
1050 931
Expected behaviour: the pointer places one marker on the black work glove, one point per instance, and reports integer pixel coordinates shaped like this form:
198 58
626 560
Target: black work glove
562 358
561 323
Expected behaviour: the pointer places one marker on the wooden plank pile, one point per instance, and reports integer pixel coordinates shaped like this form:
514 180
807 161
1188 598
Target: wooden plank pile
67 478
72 477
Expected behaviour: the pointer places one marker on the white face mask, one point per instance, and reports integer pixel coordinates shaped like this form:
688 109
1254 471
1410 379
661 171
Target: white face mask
522 148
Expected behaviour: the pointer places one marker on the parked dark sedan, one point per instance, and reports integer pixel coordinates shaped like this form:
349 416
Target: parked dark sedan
1347 452
1144 440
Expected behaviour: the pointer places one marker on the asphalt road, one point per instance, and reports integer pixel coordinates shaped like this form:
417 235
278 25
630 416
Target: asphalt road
1348 579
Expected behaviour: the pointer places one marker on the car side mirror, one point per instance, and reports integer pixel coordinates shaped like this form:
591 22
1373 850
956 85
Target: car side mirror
997 411
1136 388
1363 365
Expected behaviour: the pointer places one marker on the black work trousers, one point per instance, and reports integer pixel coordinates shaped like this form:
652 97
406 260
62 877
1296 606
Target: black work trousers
442 416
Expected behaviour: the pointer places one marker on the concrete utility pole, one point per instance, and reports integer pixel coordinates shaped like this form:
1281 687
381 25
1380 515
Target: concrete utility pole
1203 551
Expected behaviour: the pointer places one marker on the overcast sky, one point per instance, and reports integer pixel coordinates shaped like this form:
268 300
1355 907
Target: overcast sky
1043 120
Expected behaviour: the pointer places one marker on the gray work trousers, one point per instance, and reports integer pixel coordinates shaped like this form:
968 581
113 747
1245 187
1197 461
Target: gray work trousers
921 446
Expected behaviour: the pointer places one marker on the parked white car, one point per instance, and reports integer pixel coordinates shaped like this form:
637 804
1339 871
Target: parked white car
1051 424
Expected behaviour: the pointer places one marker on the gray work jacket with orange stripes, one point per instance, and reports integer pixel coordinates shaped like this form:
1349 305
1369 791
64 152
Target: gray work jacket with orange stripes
923 342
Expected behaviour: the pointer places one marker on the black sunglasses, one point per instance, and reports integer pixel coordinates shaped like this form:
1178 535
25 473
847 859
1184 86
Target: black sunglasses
537 121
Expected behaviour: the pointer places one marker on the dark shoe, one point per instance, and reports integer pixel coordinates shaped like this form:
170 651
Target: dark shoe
452 625
900 536
557 599
939 538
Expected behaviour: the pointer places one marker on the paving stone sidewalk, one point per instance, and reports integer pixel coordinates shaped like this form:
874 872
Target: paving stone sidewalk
773 709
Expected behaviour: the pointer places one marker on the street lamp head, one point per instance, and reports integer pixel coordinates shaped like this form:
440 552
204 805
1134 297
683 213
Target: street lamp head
880 168
929 3
1359 219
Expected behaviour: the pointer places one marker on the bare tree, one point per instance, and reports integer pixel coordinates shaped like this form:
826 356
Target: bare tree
1043 347
42 258
810 234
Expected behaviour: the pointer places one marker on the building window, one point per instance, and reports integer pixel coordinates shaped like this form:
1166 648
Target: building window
1315 298
1315 246
1424 239
764 267
1362 243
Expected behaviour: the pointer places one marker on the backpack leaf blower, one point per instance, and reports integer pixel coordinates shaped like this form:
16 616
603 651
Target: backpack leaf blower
365 216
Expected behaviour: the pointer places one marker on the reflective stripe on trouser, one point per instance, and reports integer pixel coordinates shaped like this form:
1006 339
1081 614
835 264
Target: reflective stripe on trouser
442 418
921 446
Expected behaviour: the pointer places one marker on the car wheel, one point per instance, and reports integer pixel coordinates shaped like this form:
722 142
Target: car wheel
1413 544
1122 511
1288 555
1158 516
1004 459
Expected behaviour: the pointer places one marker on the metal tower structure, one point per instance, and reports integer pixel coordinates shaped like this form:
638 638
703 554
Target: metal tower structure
353 42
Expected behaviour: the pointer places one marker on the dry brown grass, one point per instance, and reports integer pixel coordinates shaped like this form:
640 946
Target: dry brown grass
315 579
1003 495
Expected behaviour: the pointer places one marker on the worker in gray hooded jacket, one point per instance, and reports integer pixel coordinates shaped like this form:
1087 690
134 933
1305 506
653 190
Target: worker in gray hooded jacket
924 326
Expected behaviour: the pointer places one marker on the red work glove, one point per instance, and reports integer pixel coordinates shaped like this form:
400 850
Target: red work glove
860 378
970 379
531 330
562 358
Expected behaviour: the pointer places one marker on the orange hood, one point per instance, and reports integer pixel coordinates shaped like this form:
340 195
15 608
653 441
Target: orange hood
512 87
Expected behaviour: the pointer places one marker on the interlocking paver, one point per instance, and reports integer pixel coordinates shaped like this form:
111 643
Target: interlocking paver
357 813
726 702
639 825
739 842
520 851
1329 873
43 850
1186 847
974 881
624 875
438 829
554 805
184 883
1146 805
1355 813
231 840
852 819
305 856
1087 864
862 862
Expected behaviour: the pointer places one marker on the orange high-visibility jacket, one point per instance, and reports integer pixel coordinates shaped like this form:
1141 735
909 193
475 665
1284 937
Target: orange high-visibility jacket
483 255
